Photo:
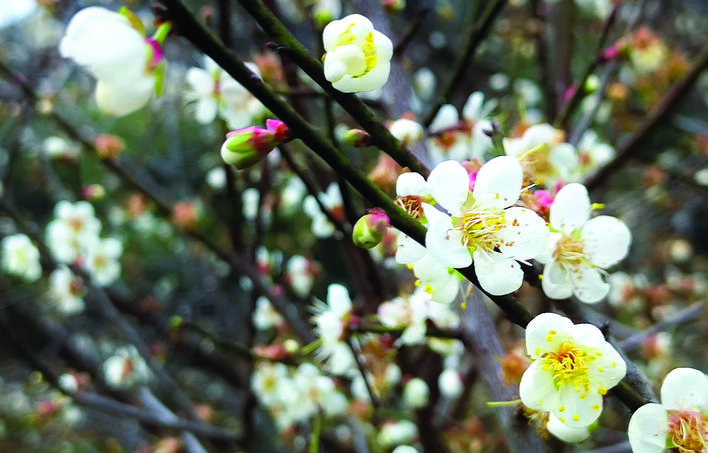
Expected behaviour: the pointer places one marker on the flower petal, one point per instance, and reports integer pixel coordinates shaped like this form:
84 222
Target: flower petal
588 284
556 282
409 250
412 183
536 389
443 242
446 118
450 185
566 433
498 183
685 388
571 208
648 429
577 409
542 333
525 234
497 274
606 240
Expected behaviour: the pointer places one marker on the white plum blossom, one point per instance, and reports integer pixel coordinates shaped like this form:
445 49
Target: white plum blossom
101 261
357 56
397 433
126 368
546 159
324 11
129 67
573 367
332 200
20 257
300 275
407 131
679 421
265 316
580 247
14 11
483 225
67 290
331 320
216 93
74 229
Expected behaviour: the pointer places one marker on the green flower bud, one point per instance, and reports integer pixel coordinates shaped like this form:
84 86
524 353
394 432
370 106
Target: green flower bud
370 229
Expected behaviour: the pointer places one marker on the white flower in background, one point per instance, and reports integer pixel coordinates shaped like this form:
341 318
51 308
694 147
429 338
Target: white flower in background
593 154
416 393
404 449
357 57
20 257
580 247
570 434
397 433
546 159
407 131
113 48
74 229
482 225
462 138
266 380
424 84
324 11
300 275
265 316
450 383
679 421
216 178
331 320
58 148
573 367
126 368
332 200
217 93
13 11
316 391
291 196
101 261
67 290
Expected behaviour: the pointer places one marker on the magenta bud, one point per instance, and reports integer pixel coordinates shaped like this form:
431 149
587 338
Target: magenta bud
244 148
370 229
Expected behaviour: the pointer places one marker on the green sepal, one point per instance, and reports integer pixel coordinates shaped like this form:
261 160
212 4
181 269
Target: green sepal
133 19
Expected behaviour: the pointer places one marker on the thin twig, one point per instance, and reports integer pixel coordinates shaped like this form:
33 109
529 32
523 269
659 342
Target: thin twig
476 35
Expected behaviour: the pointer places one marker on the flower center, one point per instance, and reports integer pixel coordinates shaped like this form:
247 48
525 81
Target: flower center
569 365
480 229
412 204
688 431
569 250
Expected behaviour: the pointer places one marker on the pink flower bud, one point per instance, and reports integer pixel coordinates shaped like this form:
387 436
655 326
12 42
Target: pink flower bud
357 138
370 229
246 147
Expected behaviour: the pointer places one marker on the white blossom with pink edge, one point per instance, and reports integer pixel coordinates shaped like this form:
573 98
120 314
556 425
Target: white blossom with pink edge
680 419
580 247
482 225
126 64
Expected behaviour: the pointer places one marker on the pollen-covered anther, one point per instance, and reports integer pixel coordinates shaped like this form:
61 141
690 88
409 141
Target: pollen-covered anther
569 250
481 229
569 365
688 431
412 204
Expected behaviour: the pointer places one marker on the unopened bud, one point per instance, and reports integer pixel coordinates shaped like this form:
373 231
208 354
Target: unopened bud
357 138
370 229
393 5
244 148
93 192
109 146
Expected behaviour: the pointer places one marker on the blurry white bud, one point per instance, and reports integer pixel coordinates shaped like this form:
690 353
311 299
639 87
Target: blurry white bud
450 383
416 393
